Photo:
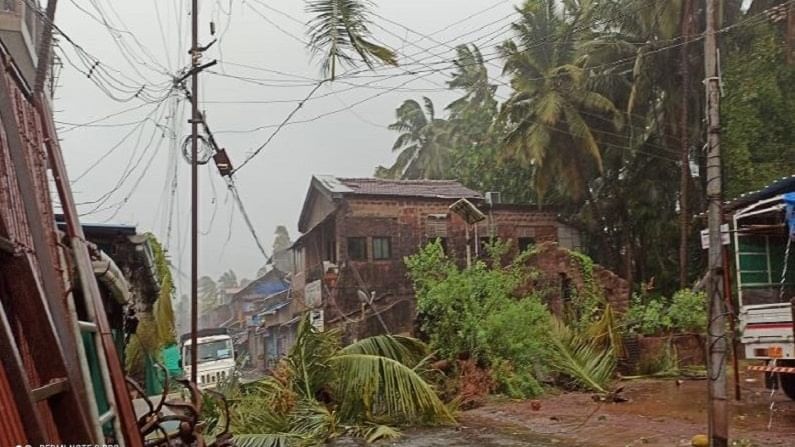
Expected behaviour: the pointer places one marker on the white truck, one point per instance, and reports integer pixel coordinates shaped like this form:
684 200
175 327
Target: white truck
763 227
216 356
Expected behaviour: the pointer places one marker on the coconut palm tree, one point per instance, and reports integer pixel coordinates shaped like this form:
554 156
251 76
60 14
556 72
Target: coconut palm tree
472 77
338 32
228 280
322 389
208 292
423 143
549 129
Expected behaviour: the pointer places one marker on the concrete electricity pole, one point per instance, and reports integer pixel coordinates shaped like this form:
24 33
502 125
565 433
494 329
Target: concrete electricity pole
196 118
195 54
716 340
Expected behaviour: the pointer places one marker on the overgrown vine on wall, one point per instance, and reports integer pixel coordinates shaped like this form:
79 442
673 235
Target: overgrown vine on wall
156 328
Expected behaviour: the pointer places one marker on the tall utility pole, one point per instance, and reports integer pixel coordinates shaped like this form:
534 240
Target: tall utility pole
684 179
195 54
716 339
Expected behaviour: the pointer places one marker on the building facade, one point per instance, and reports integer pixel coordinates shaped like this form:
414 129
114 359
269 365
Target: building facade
348 268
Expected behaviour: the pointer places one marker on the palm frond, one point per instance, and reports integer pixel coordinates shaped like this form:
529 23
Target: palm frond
584 362
338 31
380 432
313 420
271 440
371 385
309 359
263 407
580 130
406 350
606 331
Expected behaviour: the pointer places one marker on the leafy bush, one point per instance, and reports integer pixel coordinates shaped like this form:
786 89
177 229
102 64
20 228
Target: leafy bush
454 304
689 311
685 312
516 385
473 312
648 316
518 331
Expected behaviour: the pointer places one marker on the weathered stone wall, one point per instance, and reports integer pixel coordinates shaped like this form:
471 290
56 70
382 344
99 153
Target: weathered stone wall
640 351
557 268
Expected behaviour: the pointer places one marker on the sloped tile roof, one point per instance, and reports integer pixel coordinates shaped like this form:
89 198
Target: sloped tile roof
445 189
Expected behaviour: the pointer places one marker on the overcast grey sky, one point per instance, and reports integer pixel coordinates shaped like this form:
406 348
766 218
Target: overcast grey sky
152 44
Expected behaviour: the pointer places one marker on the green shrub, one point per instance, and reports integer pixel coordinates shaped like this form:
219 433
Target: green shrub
515 384
689 311
684 312
517 330
474 312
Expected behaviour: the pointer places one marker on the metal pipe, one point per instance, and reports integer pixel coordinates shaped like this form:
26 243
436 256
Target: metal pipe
762 211
742 212
109 273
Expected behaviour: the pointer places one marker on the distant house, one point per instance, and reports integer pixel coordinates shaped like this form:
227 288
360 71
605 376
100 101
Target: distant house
347 267
244 312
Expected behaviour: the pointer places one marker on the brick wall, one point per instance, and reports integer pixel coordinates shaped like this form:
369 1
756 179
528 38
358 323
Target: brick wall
556 265
410 223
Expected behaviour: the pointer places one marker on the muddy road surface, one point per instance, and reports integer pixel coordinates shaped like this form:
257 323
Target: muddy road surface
659 413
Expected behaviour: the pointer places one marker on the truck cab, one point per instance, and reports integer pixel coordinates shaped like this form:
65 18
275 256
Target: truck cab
216 357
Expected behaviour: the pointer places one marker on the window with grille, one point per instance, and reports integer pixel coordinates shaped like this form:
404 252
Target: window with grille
357 248
382 248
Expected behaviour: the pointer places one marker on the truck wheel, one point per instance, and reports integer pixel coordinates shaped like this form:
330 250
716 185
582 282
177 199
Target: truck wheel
788 385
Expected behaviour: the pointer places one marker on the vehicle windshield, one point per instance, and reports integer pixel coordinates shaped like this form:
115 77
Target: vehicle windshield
210 351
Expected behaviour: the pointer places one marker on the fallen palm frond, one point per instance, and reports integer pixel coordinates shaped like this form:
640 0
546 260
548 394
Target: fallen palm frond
583 361
308 359
373 433
314 420
406 350
322 390
272 440
379 386
607 331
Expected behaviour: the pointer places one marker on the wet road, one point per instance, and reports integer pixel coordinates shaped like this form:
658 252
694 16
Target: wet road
462 436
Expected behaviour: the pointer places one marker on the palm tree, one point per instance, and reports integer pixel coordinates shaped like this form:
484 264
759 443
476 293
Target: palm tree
471 76
208 292
281 239
228 280
322 388
547 114
423 143
338 31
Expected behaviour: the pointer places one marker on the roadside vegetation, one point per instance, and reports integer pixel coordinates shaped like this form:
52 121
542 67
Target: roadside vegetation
322 390
492 332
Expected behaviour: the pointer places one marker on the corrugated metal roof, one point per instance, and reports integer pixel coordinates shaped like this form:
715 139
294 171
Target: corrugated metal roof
780 186
333 184
446 189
